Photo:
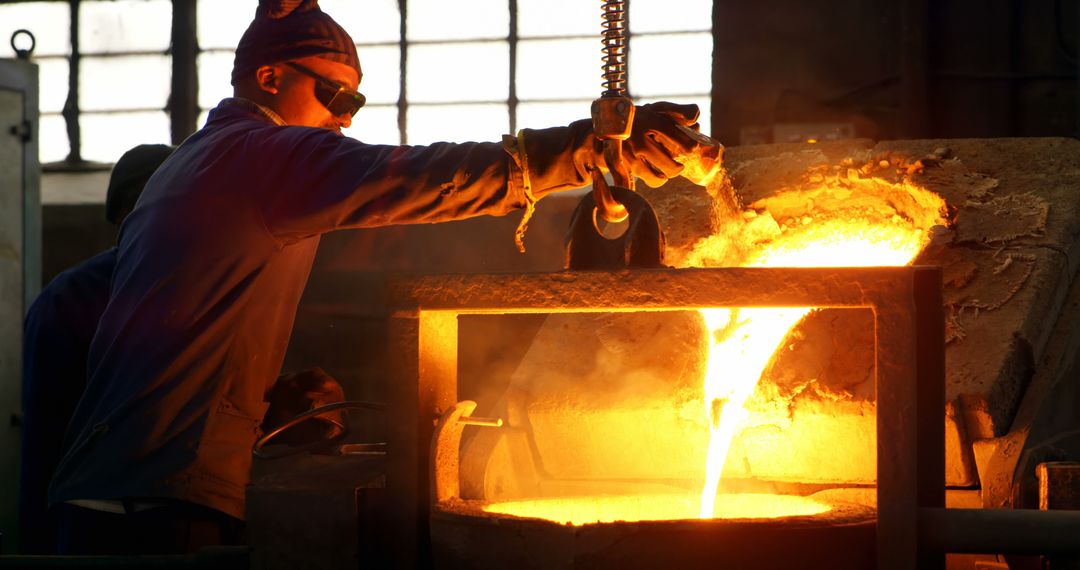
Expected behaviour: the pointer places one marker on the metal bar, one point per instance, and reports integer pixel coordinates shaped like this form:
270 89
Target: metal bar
930 400
650 289
1000 531
727 118
361 45
714 76
423 345
687 32
502 101
481 422
71 106
85 112
184 99
111 54
403 52
895 332
512 39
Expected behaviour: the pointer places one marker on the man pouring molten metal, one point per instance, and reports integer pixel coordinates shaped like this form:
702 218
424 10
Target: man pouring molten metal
213 261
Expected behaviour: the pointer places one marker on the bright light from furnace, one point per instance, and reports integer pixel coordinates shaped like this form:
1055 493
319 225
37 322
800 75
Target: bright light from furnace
839 221
742 341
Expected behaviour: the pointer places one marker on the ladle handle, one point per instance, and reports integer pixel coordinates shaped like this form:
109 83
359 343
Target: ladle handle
607 207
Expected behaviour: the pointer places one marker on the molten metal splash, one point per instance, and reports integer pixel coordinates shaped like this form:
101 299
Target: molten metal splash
847 220
742 341
605 509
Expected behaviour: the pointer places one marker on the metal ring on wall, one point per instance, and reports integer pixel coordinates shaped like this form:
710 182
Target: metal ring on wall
23 53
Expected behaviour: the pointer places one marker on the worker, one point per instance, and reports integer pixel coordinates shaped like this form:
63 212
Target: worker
214 258
56 340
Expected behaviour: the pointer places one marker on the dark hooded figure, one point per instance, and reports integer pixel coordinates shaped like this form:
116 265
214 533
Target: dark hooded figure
56 340
213 261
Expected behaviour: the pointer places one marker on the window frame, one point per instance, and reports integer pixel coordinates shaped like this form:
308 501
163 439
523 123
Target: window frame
183 106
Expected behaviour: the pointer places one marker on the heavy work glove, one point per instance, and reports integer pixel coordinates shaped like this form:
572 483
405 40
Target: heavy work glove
297 393
560 158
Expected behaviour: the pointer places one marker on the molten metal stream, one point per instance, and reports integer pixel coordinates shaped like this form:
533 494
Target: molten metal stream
840 222
742 341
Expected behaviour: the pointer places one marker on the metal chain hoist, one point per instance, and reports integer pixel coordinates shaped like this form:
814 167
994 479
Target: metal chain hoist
613 113
641 243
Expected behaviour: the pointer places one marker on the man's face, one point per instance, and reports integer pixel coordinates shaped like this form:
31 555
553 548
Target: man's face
295 99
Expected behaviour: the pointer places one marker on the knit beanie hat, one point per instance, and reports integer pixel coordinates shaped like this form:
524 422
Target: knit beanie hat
284 30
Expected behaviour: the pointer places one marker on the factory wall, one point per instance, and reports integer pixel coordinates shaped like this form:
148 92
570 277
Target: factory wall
785 70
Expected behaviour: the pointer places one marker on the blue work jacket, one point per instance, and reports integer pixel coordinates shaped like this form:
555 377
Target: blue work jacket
56 339
211 266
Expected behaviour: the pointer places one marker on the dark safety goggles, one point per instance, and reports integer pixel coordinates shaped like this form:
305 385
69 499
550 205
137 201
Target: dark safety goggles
337 99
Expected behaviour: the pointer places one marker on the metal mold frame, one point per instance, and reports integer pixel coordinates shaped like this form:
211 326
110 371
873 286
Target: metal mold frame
909 353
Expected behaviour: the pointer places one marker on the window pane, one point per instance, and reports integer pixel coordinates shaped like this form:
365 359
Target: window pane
370 21
702 103
446 20
125 25
107 136
541 115
215 76
126 82
663 16
375 125
671 65
459 72
541 18
577 74
50 23
52 84
220 24
382 73
53 140
457 123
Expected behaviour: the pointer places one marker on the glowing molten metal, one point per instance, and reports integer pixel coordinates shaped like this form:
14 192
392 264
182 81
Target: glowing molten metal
857 224
839 220
605 509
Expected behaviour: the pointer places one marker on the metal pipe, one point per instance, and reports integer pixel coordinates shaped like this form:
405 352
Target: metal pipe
183 101
483 422
1000 531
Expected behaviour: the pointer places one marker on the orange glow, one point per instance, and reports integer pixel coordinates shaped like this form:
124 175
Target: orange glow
848 218
604 509
742 341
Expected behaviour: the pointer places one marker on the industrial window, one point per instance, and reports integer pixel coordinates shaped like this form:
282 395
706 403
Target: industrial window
433 70
124 73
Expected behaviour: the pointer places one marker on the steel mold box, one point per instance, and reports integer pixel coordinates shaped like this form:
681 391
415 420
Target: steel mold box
909 367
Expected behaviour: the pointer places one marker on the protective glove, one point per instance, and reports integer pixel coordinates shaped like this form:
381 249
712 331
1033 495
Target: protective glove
560 158
297 393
